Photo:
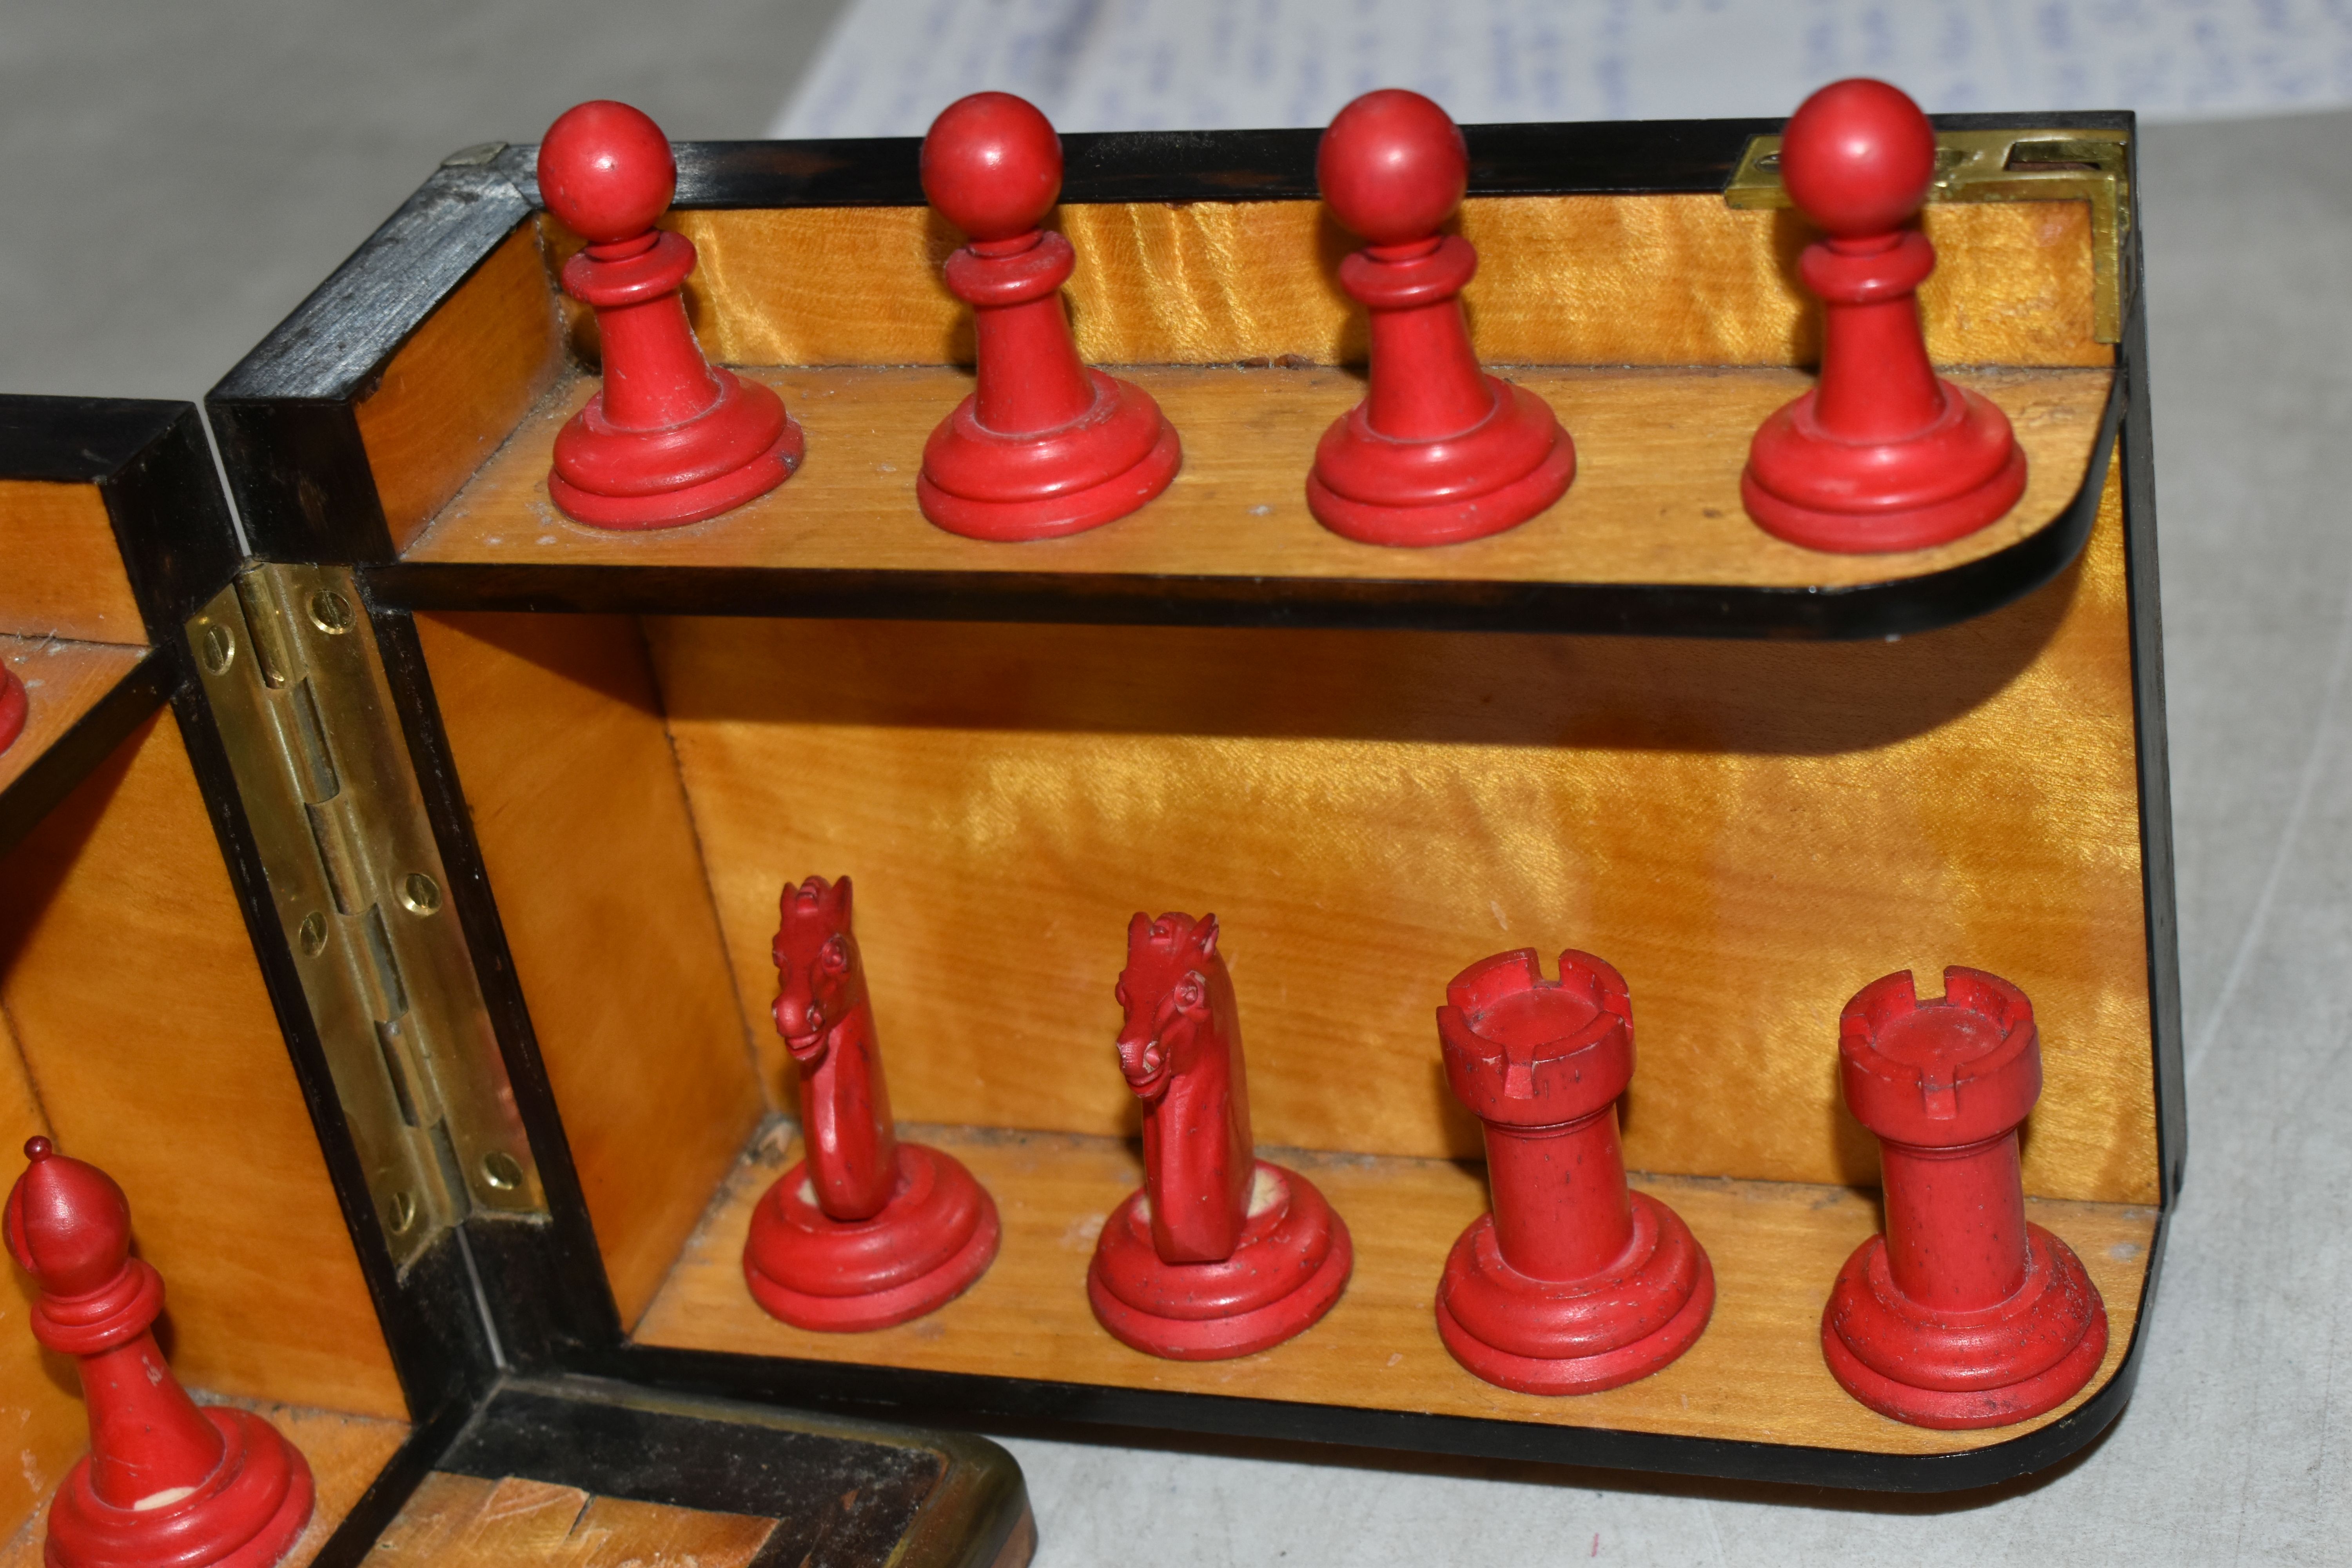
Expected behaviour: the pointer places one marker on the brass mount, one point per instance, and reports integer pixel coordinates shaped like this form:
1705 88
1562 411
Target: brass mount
290 667
2091 166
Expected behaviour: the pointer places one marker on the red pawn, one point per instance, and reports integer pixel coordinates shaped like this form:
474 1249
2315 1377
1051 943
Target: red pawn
1045 446
1883 454
1221 1252
670 440
1573 1283
1439 450
1964 1314
165 1481
866 1231
14 706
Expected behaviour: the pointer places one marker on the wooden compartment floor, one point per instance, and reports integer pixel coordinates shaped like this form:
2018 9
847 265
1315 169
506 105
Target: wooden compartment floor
1757 1374
63 682
345 1452
1656 497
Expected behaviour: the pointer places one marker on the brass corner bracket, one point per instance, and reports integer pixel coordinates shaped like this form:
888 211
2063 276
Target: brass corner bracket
2007 166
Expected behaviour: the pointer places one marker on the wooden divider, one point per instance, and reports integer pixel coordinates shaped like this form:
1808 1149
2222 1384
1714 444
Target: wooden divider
1656 497
455 389
60 574
576 801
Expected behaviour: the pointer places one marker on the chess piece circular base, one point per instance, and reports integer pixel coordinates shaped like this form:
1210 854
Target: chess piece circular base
1541 1336
247 1513
1292 1261
1957 1369
936 1236
15 704
1100 467
1377 490
1813 488
741 447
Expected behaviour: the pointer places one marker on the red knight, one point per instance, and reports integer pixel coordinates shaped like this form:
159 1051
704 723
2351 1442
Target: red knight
864 1231
1221 1252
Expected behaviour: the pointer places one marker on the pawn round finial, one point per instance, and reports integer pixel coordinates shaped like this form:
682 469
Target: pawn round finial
1857 157
1392 166
993 165
606 170
69 1225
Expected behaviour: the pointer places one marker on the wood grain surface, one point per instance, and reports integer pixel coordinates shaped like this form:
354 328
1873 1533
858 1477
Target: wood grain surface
462 1521
576 803
1750 832
1656 497
455 388
63 682
60 571
345 1454
131 985
1756 1375
1593 279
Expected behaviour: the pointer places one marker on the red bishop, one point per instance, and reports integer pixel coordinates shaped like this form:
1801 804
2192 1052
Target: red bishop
166 1481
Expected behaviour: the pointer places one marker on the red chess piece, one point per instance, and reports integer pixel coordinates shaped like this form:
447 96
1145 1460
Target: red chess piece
165 1481
864 1231
1220 1253
1573 1283
1439 450
1964 1314
1045 446
670 440
1883 454
14 706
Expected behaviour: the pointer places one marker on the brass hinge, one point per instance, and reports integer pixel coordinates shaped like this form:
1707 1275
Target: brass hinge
290 666
2008 166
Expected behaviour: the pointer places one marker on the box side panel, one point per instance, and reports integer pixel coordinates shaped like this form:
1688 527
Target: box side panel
1750 833
455 388
1623 279
584 829
60 574
126 971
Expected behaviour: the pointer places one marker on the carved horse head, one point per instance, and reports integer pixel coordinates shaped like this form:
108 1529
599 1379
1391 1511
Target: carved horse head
817 970
1172 988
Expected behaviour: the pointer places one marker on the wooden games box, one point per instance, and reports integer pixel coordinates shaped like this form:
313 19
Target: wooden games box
1750 776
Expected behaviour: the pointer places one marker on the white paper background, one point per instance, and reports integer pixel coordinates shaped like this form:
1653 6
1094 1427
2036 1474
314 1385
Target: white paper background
1128 65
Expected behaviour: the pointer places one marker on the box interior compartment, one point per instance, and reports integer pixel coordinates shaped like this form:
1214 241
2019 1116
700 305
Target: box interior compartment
135 1030
1750 830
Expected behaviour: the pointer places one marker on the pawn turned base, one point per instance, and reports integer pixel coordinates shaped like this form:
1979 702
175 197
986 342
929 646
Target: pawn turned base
1294 1259
13 707
1579 1336
1377 490
739 449
1955 1371
1099 468
936 1236
1810 488
247 1513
